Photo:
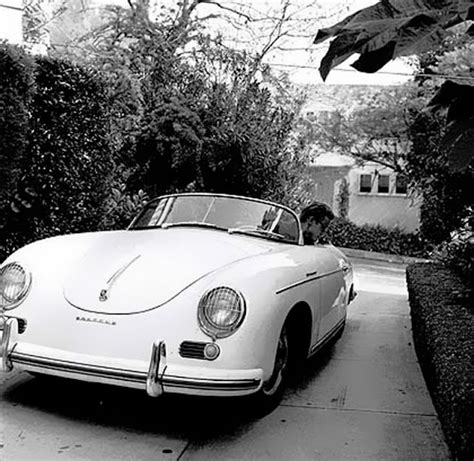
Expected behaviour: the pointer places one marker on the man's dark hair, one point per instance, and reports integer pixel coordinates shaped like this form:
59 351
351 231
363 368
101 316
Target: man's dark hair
318 211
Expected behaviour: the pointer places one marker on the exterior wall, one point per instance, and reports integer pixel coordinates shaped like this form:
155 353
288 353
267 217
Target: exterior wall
11 27
390 210
326 179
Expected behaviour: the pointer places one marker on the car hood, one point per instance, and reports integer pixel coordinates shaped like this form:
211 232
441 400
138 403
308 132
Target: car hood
128 272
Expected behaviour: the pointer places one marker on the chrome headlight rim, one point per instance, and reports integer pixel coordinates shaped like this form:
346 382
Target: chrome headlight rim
212 330
6 303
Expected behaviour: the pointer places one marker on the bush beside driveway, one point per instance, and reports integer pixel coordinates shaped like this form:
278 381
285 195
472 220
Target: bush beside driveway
443 333
375 238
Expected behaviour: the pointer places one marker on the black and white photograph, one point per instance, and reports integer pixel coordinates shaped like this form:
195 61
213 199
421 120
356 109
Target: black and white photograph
237 230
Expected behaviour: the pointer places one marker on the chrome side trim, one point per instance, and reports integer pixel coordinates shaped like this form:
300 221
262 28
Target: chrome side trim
79 368
211 384
138 377
325 339
307 280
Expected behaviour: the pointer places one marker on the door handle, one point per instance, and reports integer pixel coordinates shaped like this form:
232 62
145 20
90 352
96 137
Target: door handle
309 274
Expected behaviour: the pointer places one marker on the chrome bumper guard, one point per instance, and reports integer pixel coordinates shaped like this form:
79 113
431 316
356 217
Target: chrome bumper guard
154 379
6 329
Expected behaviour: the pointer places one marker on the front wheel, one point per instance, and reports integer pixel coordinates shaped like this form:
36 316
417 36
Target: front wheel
272 390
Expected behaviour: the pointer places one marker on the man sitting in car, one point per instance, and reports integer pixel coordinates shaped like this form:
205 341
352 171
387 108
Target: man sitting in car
315 218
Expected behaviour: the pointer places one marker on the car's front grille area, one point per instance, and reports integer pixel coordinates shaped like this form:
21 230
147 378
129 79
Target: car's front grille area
192 350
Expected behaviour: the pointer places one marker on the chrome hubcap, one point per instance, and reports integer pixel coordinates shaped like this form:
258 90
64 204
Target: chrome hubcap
281 362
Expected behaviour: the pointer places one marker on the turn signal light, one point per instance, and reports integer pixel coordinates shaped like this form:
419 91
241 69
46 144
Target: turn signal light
211 351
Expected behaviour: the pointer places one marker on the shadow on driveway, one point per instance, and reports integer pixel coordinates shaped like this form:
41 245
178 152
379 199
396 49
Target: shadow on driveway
177 416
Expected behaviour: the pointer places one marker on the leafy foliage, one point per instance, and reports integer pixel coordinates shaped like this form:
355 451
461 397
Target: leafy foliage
168 148
371 126
389 29
121 207
458 252
443 328
447 195
166 120
201 121
457 101
69 163
389 126
395 28
16 90
344 233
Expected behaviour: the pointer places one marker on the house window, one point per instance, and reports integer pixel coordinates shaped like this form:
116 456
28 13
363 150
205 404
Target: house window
384 184
365 183
401 185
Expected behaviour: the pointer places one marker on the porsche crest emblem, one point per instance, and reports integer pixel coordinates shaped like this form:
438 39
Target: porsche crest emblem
104 296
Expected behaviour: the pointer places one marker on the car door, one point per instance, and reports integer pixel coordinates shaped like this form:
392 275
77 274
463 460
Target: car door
331 289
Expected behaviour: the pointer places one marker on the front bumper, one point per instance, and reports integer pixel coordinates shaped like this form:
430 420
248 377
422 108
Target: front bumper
161 376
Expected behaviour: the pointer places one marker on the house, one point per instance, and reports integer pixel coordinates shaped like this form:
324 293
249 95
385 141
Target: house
11 21
367 193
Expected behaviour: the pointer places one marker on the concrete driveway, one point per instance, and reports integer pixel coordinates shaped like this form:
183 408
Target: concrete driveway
363 399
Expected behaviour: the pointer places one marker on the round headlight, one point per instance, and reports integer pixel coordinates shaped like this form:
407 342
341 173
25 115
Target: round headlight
15 282
221 311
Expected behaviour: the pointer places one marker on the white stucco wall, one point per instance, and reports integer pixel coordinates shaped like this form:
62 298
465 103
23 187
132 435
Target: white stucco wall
11 28
390 210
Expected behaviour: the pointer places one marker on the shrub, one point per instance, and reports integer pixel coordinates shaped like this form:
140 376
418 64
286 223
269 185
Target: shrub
458 252
345 233
447 194
16 90
66 175
70 162
218 139
443 331
121 207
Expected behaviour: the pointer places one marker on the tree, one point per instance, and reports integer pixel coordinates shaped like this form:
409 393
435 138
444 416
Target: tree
189 112
393 28
447 192
38 17
263 28
447 195
370 125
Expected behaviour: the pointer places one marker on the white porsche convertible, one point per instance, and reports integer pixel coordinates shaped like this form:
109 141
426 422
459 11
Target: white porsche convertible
205 294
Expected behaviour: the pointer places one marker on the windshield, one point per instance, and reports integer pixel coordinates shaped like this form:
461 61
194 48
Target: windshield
231 214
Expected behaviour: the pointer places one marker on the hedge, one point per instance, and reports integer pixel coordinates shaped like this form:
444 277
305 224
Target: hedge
443 332
344 233
16 91
69 161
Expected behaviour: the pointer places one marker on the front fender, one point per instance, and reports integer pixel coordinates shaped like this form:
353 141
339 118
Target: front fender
262 281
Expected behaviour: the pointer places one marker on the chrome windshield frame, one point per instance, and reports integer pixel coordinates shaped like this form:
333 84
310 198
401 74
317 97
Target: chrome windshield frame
210 194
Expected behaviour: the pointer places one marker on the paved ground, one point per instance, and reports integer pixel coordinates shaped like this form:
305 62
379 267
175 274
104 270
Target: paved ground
363 399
